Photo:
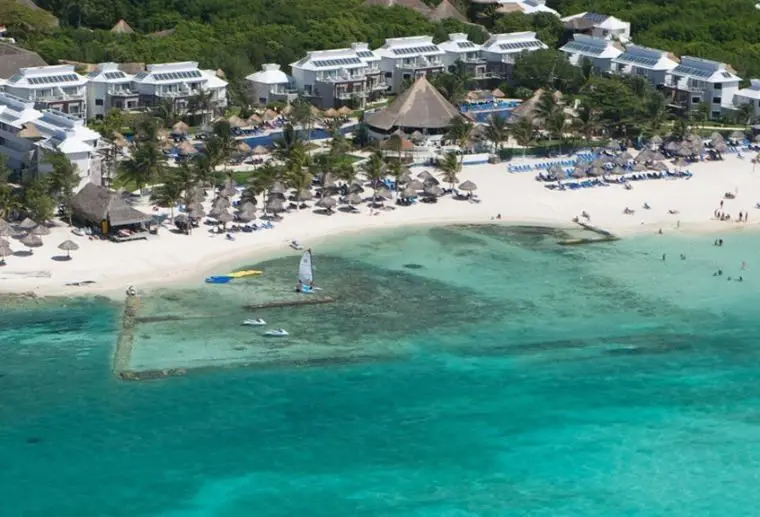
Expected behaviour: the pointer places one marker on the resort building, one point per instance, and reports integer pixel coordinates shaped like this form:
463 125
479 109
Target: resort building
338 77
56 87
461 52
180 84
420 108
695 81
109 88
749 96
406 59
599 26
519 6
27 133
501 51
270 84
597 51
652 64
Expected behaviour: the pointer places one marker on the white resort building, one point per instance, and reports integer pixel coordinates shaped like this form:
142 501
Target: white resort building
598 51
521 6
501 51
179 83
108 88
695 81
404 60
338 77
652 64
749 96
270 84
27 133
56 87
459 51
599 26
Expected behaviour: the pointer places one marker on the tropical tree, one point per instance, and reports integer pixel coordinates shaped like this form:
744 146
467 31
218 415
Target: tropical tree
145 167
655 113
166 113
37 202
546 107
586 122
699 113
460 131
497 131
10 201
62 180
453 85
745 113
374 170
169 194
524 132
450 166
286 144
200 105
556 125
303 115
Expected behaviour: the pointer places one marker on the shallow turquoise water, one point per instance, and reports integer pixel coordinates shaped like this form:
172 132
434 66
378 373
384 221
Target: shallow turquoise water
501 375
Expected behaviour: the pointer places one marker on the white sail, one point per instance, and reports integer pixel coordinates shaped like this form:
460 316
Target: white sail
305 272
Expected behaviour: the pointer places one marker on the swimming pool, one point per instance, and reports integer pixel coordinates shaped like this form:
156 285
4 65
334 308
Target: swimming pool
315 134
480 111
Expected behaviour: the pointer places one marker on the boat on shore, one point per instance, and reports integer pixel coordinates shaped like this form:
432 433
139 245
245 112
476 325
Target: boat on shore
305 274
226 279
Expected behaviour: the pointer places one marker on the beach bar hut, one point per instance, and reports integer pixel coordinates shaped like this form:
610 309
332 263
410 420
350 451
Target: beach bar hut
98 206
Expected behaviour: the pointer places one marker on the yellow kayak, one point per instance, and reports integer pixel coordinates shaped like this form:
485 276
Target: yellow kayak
241 274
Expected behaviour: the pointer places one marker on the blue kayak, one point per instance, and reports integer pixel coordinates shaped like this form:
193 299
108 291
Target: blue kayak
218 279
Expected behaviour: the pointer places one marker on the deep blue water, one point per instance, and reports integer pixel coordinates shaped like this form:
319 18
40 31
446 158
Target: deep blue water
508 376
315 134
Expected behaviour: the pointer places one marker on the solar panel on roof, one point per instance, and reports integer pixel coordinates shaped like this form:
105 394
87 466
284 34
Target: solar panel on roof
465 44
520 45
595 17
695 72
580 48
638 60
364 53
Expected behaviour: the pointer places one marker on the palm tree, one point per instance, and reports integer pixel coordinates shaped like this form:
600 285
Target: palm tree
262 180
745 113
285 145
395 143
556 125
586 122
302 115
396 169
699 113
10 201
62 180
37 202
146 166
524 132
166 112
374 170
168 194
655 112
345 171
460 131
298 179
450 167
546 106
497 131
200 103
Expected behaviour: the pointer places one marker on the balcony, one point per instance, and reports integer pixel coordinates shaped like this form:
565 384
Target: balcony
346 95
341 78
121 92
420 63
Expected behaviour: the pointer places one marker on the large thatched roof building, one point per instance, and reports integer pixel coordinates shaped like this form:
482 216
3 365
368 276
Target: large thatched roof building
95 204
420 108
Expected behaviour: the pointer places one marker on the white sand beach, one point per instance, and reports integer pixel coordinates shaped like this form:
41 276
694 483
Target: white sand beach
518 197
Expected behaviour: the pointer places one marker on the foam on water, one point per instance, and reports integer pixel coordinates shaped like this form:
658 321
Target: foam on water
502 374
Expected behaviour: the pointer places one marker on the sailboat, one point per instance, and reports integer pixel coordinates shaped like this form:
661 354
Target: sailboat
305 274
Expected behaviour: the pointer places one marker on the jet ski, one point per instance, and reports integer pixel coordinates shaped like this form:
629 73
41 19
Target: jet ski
276 333
258 322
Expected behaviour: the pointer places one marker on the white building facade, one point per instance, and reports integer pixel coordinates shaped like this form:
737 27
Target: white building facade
406 59
502 50
700 81
56 87
339 77
599 26
598 51
749 96
270 84
178 84
459 51
27 134
109 88
652 64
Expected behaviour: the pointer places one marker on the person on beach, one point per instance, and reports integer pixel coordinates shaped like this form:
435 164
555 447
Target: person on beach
663 257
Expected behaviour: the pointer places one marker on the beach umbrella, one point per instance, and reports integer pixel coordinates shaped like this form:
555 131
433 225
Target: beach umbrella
31 241
254 120
259 150
612 145
356 188
224 217
417 136
656 140
680 162
468 186
246 212
660 166
577 173
26 224
237 122
277 188
497 93
738 135
40 230
405 178
330 113
5 249
658 157
434 191
619 171
556 171
68 246
354 199
270 114
167 145
219 204
625 156
756 139
721 147
424 175
595 172
415 185
186 148
639 167
432 181
408 192
195 210
180 128
181 219
644 156
671 146
327 202
716 136
684 150
244 148
345 111
304 195
275 205
383 192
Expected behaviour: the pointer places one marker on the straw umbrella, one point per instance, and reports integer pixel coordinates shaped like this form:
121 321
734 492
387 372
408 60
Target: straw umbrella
405 178
259 150
625 155
180 128
243 147
327 203
31 241
556 171
195 210
408 192
659 166
612 145
618 171
595 172
304 195
639 167
354 199
433 191
186 148
68 246
425 175
738 135
224 217
415 185
468 186
40 230
578 173
246 212
644 156
275 205
5 249
254 120
277 188
220 203
330 113
344 111
680 162
658 157
656 140
497 93
26 225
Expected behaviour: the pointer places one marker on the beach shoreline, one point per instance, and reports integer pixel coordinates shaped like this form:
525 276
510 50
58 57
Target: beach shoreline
172 259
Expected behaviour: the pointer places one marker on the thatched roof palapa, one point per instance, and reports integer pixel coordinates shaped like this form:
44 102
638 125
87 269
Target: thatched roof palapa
421 106
446 10
30 132
95 204
345 111
122 27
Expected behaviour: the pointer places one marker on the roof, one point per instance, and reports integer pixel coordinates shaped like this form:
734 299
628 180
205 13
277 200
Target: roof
459 43
13 58
334 59
646 58
753 92
171 73
705 70
409 47
109 73
527 6
270 73
421 106
513 42
46 77
95 203
589 46
122 27
446 10
417 5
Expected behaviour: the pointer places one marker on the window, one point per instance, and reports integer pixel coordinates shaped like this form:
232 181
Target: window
406 76
717 86
715 114
2 140
98 102
388 75
716 100
696 100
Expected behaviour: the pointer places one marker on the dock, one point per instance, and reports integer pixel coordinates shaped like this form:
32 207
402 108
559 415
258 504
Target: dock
125 340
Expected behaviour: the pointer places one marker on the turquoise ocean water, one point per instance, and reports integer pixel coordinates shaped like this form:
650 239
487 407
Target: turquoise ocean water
463 371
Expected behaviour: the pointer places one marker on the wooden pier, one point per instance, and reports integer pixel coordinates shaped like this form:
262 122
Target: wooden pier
126 337
604 235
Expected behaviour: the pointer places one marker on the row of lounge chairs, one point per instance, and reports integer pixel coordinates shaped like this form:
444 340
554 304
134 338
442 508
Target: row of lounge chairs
619 180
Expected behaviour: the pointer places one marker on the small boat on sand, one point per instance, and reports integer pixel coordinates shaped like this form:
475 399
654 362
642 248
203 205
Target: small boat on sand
276 333
258 322
295 245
